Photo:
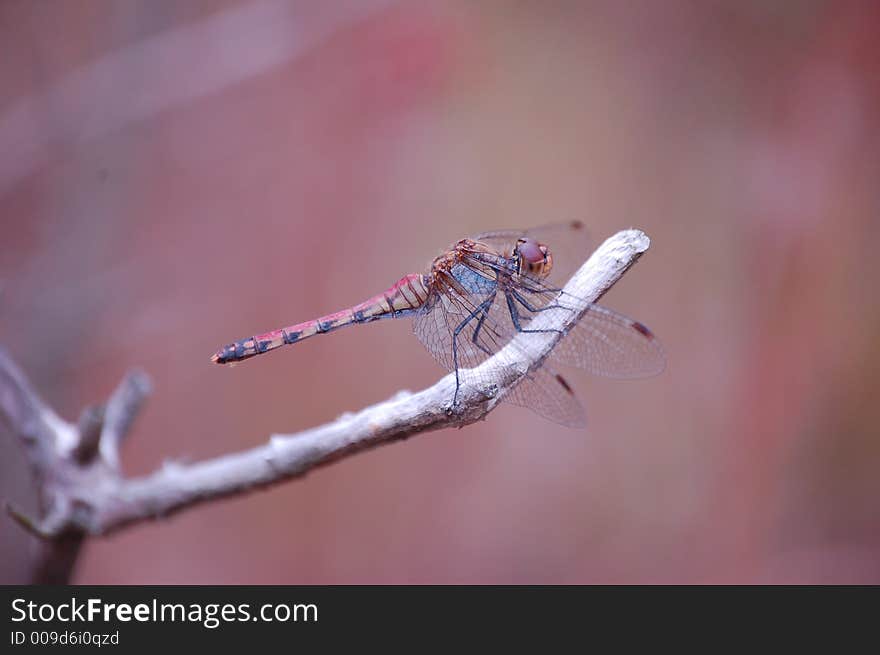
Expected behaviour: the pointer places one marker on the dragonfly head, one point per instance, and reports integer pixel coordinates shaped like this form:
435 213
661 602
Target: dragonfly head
532 258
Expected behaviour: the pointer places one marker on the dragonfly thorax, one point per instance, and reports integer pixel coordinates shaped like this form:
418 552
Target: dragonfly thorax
474 267
474 281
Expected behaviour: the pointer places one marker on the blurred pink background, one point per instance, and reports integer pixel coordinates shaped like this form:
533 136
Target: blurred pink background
174 176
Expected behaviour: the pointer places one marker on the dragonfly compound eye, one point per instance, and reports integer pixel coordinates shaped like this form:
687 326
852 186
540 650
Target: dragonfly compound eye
535 258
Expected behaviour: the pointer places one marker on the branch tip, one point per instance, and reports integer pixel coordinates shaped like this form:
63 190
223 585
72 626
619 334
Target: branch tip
89 427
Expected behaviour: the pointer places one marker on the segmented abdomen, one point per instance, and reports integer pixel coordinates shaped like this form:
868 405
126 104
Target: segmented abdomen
401 299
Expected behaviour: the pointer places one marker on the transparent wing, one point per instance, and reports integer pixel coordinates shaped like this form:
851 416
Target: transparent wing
606 343
603 342
462 329
485 328
547 233
547 393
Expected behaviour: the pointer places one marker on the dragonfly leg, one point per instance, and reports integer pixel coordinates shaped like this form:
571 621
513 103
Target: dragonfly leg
525 303
479 327
514 314
481 309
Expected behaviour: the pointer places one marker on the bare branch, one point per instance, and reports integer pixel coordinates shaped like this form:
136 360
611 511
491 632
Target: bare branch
41 432
89 426
122 409
94 498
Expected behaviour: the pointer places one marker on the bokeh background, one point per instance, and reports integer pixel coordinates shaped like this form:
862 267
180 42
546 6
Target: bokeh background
174 176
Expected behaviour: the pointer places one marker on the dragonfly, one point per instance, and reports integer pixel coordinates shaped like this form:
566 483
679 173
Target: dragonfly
476 297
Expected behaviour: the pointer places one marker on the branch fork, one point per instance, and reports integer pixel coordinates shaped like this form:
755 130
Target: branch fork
67 459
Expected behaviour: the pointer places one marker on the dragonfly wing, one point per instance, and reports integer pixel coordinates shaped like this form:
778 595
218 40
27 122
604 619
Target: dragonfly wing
548 232
543 390
610 344
462 329
602 342
547 393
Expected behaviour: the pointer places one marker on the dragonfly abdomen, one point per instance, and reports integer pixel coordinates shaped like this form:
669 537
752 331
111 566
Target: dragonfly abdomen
405 296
